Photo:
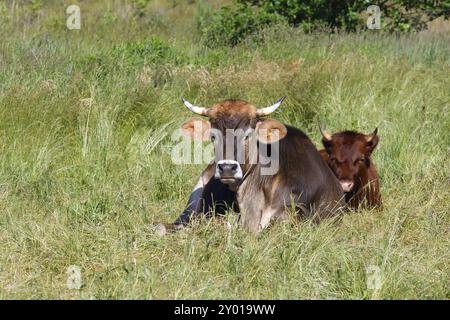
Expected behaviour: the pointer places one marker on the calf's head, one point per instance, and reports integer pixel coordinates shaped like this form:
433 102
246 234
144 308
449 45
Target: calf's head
235 127
349 155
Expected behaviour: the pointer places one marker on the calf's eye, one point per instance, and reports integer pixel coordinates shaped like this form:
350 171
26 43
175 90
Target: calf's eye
334 160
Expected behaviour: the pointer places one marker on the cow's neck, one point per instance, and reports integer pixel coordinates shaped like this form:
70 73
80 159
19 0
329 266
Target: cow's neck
253 205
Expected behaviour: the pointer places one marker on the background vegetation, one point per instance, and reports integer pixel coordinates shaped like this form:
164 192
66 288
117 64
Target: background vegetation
85 123
233 23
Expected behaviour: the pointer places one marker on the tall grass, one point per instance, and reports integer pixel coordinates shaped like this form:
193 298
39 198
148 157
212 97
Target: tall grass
85 123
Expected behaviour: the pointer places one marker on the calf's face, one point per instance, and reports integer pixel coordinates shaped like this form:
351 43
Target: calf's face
234 127
348 155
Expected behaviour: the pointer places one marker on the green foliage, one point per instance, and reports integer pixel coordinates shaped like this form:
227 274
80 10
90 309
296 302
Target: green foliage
412 15
230 25
310 14
397 15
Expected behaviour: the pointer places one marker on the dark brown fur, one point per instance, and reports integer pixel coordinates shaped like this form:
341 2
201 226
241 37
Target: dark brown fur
348 154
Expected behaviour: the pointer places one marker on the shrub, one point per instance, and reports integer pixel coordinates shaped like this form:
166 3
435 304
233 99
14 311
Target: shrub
397 15
230 25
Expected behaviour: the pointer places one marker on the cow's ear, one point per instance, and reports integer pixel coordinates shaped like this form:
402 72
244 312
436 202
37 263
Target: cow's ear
270 131
372 141
196 129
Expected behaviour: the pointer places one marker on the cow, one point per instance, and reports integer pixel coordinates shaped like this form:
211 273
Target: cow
348 154
302 181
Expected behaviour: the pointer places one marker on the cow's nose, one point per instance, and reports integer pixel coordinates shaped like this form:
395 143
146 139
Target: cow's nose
346 185
227 169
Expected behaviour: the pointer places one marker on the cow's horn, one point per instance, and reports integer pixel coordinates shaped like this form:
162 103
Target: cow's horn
372 135
268 110
325 134
198 110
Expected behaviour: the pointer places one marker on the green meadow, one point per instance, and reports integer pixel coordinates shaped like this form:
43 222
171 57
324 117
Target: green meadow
86 118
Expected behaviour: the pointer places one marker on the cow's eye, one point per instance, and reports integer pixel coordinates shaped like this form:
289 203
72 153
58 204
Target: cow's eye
213 138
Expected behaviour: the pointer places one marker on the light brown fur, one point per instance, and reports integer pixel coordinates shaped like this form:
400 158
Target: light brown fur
232 108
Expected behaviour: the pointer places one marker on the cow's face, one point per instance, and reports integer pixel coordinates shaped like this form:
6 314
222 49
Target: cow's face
234 127
348 155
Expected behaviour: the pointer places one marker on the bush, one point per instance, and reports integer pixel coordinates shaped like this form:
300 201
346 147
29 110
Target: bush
308 14
397 15
230 25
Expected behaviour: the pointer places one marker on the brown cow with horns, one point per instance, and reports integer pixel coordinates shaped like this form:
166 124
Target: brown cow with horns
302 181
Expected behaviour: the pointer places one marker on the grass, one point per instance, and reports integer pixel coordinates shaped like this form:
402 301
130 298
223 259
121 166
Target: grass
85 123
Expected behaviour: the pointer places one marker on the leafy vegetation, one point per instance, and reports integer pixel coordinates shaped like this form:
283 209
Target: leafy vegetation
402 15
229 25
232 24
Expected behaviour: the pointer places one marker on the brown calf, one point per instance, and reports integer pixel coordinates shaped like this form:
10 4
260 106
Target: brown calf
348 153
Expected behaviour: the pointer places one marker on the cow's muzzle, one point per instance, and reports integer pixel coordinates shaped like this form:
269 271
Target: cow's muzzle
228 171
347 185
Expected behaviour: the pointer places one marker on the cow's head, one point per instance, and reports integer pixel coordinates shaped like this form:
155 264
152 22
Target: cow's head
233 126
348 154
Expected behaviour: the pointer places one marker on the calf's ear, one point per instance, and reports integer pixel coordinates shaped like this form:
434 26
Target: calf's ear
327 144
196 129
270 131
372 141
327 140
